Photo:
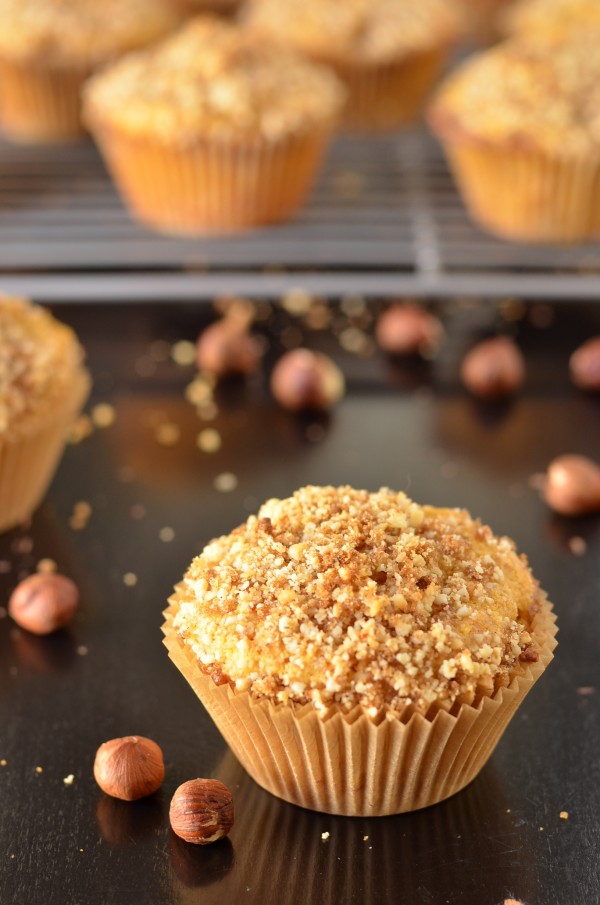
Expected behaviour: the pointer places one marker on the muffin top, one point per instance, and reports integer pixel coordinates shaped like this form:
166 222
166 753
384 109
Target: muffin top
361 30
553 18
38 358
80 32
528 93
340 596
213 78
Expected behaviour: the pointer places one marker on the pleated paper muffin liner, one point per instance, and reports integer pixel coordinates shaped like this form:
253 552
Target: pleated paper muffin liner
29 458
213 186
41 103
349 763
527 195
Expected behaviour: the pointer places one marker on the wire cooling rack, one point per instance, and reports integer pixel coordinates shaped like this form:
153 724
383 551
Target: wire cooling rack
385 219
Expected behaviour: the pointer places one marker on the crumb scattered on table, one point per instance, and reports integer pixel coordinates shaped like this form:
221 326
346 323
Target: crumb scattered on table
564 815
183 353
166 534
324 836
577 546
226 482
130 579
46 566
103 415
209 440
68 780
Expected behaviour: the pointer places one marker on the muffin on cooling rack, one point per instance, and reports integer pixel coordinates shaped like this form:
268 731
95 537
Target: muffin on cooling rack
43 385
211 130
361 654
552 18
49 47
387 52
520 125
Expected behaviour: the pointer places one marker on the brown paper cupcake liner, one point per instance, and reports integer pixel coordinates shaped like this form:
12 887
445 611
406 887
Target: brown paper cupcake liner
213 186
29 459
348 763
40 104
526 195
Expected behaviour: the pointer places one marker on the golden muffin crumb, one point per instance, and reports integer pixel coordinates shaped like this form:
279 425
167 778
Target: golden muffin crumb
340 596
553 18
213 79
38 357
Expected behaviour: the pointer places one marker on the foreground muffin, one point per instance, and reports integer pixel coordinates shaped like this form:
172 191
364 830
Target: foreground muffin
49 47
211 130
521 127
43 384
551 18
361 654
387 52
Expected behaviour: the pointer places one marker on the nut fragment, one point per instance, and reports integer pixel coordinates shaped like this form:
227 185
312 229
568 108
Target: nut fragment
493 369
226 348
305 380
44 603
129 768
573 485
201 811
408 330
585 365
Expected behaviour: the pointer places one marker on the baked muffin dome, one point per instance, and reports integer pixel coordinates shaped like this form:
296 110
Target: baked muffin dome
550 18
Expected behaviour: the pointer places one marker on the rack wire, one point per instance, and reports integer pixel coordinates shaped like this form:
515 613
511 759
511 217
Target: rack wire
385 219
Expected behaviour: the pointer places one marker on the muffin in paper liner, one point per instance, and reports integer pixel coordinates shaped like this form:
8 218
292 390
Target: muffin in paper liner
41 103
354 764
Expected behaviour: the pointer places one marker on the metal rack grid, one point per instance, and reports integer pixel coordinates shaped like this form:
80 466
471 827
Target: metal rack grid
385 219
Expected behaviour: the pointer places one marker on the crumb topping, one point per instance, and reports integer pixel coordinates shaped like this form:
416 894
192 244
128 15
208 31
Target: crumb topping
213 78
553 18
368 30
81 32
342 596
535 93
38 355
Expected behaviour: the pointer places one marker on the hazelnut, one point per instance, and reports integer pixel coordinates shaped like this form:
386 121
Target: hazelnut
44 603
408 330
572 485
201 811
226 347
129 768
493 369
585 365
305 380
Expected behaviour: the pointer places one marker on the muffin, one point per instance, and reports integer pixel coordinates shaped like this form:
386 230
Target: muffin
387 52
223 7
49 47
482 18
551 18
211 130
43 385
361 654
520 125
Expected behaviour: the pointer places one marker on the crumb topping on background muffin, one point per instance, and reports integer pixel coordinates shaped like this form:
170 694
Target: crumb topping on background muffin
531 93
214 78
38 356
553 18
367 30
342 596
81 32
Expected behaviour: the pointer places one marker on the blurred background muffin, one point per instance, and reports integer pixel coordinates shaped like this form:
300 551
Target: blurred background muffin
481 18
224 7
552 18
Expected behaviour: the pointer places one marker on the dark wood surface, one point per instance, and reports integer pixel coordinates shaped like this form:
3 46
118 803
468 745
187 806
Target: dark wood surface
409 426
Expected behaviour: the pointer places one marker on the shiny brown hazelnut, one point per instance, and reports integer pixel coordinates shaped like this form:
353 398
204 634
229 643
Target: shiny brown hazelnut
44 603
408 330
201 811
129 768
585 365
572 485
226 347
493 369
305 380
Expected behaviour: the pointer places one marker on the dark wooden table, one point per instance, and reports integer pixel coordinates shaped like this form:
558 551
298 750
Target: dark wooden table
406 425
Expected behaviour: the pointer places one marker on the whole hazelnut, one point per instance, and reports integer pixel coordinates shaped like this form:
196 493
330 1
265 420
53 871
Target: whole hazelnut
493 369
305 380
585 365
44 603
129 768
573 485
226 347
408 330
201 811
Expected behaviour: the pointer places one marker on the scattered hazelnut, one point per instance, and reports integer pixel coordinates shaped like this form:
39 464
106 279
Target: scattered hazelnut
585 365
129 768
201 811
408 330
226 347
43 603
305 380
573 485
493 369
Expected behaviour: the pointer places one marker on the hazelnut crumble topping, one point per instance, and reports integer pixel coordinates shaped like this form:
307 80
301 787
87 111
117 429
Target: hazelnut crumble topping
343 596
